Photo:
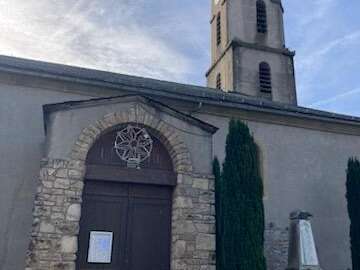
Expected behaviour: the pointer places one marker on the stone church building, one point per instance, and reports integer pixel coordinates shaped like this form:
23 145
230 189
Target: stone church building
125 176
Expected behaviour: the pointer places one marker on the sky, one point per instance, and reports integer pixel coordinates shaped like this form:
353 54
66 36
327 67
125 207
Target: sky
170 40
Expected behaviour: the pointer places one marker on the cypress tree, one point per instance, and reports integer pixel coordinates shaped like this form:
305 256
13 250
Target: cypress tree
353 202
242 210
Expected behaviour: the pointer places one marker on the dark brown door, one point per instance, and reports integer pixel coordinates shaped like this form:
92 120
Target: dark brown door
139 217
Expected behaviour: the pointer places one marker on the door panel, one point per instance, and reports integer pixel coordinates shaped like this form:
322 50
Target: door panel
103 213
139 217
149 238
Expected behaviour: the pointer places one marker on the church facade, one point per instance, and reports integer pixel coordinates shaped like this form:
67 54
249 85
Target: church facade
125 176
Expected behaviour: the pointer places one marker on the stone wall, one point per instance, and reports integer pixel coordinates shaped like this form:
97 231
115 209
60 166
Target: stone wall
276 247
193 223
56 214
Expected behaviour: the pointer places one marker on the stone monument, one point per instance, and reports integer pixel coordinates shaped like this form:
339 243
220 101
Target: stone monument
302 249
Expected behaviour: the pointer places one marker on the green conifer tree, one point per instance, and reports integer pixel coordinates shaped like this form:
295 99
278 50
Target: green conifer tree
353 199
242 210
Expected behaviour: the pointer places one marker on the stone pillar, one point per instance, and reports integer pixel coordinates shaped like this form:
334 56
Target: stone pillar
193 223
302 250
56 214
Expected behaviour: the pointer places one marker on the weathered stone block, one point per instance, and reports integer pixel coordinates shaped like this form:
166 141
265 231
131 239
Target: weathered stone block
74 212
87 138
69 228
64 266
62 183
201 183
212 185
207 197
183 202
205 241
205 228
208 267
69 244
76 174
46 227
78 185
76 164
182 227
62 173
57 215
179 248
48 184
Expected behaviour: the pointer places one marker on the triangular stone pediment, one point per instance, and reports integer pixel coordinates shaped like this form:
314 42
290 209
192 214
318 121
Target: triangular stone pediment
127 99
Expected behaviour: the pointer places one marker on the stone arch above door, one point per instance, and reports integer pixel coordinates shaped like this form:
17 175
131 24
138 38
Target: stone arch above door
57 207
165 133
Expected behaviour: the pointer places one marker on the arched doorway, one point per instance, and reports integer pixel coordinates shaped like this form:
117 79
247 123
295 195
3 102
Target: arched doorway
126 209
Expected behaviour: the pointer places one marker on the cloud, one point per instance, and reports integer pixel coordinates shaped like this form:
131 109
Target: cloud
96 34
314 10
316 55
334 99
326 36
170 40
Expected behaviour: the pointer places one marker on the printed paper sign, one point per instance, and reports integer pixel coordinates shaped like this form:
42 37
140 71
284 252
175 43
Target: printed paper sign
100 247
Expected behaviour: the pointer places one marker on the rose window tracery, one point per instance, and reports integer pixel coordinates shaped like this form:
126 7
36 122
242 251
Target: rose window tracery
133 145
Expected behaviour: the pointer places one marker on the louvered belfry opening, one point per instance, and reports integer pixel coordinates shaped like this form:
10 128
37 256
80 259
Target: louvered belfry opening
218 29
218 81
261 16
265 77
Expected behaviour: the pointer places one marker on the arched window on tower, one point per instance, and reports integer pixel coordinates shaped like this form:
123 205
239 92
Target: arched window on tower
265 78
218 29
218 81
261 16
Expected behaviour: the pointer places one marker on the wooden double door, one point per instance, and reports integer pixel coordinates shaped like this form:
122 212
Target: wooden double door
137 218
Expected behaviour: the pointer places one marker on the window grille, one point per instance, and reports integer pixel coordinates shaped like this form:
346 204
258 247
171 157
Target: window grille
218 81
261 16
218 29
265 77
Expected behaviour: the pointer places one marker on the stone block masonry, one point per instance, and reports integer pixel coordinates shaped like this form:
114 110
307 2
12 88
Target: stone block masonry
56 216
276 247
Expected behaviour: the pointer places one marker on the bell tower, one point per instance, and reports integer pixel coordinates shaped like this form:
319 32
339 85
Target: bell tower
248 52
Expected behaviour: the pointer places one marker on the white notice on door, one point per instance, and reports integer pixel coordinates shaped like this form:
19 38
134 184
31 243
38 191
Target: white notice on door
100 247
